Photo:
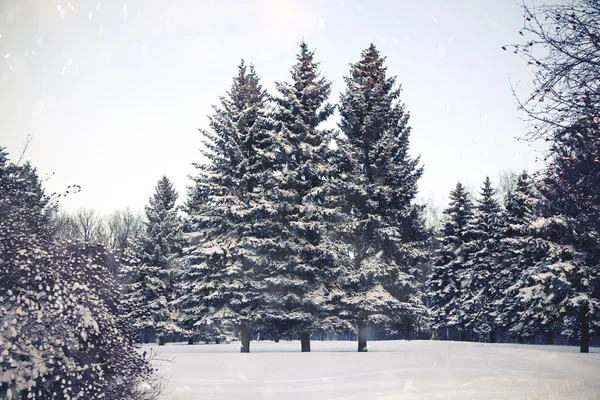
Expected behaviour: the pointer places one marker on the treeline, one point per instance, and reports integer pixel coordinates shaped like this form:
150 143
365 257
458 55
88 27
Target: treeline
115 231
290 230
512 273
293 232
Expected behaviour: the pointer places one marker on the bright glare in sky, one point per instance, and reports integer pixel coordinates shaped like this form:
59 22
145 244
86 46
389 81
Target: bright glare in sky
112 93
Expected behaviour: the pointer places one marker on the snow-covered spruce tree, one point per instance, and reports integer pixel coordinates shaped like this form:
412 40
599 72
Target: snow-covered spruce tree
451 271
304 260
150 269
480 290
571 188
520 206
230 228
514 253
385 230
560 288
59 331
541 301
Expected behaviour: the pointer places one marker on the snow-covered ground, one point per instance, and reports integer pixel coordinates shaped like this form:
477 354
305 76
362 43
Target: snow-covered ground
391 370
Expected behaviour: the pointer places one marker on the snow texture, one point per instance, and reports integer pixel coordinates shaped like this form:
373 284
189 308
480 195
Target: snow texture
391 370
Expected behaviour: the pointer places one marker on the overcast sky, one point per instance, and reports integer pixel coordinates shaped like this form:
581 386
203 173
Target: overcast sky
113 92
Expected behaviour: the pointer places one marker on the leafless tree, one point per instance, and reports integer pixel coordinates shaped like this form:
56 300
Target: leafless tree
90 227
562 45
65 226
87 225
432 213
26 145
507 183
123 226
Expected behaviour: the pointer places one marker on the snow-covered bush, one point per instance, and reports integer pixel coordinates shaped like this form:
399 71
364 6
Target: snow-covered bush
60 334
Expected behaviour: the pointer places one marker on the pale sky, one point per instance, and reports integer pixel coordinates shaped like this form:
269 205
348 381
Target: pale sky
113 92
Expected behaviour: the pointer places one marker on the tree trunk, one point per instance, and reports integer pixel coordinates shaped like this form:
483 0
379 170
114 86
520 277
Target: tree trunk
362 336
492 337
217 340
276 340
463 335
549 337
521 339
305 342
585 329
161 340
245 338
190 340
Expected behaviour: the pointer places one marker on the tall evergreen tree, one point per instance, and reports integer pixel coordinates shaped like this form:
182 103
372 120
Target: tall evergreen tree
480 290
229 230
298 298
162 240
514 253
560 287
520 205
150 270
384 230
451 272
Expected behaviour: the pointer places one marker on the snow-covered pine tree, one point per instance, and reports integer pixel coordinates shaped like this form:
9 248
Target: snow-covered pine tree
573 190
24 221
481 290
59 330
545 295
451 271
559 289
230 228
514 253
385 233
150 268
298 297
520 205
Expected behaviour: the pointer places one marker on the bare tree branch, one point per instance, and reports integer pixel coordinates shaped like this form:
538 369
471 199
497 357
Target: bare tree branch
26 145
563 48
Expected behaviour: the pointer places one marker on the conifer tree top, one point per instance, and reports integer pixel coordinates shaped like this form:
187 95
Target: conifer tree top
459 211
520 203
487 202
370 105
246 88
307 95
164 196
160 241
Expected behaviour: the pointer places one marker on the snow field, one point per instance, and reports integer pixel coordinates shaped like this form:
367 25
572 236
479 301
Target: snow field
391 370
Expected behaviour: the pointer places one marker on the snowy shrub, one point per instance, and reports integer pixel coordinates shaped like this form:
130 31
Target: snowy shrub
60 334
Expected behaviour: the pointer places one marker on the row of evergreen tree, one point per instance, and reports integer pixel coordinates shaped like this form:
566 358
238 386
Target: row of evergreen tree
529 271
292 230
